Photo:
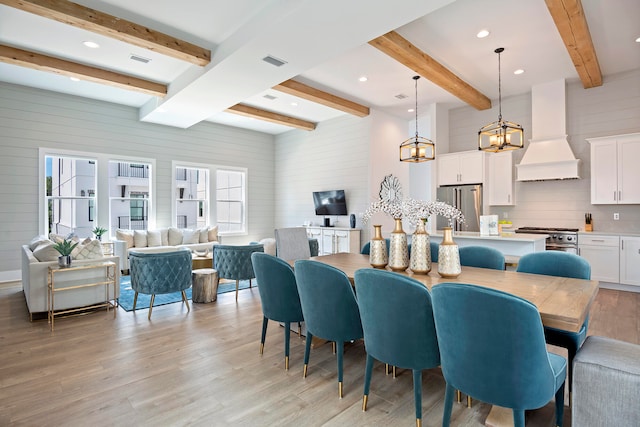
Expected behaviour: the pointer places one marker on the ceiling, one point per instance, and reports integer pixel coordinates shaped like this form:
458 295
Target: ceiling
325 46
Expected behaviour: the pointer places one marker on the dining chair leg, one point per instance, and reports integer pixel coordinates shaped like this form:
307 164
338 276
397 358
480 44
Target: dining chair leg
368 370
265 323
468 401
333 347
417 395
340 351
307 351
287 338
458 396
153 297
185 300
394 371
135 300
448 405
386 369
518 417
299 330
560 406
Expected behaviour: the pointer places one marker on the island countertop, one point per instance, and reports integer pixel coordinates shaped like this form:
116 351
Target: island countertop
510 243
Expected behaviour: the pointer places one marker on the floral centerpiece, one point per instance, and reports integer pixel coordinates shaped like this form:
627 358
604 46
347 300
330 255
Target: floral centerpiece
419 210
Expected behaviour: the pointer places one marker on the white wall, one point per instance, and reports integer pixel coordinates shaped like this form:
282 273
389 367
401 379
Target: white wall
31 118
611 109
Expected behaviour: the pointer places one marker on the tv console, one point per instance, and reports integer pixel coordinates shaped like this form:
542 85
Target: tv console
332 240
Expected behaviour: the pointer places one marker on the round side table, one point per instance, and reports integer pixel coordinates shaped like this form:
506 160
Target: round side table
204 283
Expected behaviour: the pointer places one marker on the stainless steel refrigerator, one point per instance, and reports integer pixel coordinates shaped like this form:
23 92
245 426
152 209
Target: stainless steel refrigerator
467 198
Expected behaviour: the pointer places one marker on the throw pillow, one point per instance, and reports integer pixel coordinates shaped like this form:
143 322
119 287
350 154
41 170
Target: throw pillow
204 235
91 250
213 233
56 238
164 236
175 236
154 238
37 241
45 252
140 238
190 236
126 235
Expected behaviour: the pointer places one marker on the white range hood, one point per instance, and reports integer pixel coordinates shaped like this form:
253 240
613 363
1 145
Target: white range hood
548 156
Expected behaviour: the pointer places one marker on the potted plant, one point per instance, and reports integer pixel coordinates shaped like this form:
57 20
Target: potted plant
65 248
99 231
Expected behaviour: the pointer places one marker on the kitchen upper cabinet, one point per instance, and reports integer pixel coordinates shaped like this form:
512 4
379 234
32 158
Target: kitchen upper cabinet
614 171
630 260
500 185
466 167
603 254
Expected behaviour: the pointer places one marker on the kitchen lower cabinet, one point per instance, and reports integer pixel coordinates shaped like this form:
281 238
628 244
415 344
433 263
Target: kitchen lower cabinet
630 260
603 254
333 240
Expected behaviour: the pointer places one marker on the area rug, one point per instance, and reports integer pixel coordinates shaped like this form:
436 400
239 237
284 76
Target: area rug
126 294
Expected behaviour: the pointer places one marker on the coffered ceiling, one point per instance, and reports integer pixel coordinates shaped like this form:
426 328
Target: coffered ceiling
184 62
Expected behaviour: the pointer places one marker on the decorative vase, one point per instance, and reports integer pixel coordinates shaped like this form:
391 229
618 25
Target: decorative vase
398 249
378 249
420 250
448 256
64 261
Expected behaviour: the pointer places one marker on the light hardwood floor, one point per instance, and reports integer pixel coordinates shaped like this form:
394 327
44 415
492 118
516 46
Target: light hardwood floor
203 368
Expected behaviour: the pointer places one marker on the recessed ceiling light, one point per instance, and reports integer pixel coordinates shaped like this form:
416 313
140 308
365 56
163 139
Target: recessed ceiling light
638 40
294 104
92 45
482 34
410 110
518 71
74 79
363 79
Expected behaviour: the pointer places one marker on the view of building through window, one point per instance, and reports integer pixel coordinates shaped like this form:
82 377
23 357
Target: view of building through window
129 189
192 197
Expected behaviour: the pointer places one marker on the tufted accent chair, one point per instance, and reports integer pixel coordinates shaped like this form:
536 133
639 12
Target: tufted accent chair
234 262
160 273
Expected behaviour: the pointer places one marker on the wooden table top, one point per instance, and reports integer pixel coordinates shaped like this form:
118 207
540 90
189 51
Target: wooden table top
563 302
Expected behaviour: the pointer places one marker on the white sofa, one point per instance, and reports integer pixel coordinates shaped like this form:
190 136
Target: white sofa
162 239
35 287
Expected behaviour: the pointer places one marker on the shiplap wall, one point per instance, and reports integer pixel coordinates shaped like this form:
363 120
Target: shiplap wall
333 157
32 118
611 109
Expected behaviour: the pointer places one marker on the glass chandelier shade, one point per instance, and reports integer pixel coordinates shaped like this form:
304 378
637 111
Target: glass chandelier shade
417 149
501 135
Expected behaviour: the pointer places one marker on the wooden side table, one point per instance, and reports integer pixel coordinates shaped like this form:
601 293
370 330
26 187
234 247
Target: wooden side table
200 262
204 285
58 273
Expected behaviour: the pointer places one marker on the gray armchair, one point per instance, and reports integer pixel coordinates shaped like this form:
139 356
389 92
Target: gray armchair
160 273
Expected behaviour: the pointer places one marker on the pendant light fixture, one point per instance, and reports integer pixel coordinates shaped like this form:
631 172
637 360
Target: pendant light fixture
417 149
501 135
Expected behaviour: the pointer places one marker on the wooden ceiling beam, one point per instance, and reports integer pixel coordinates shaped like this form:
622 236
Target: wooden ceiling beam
400 49
269 116
111 26
312 94
50 64
571 22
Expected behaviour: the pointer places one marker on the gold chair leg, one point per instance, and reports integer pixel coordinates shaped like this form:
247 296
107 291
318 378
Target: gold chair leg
186 301
261 348
458 396
340 389
286 363
237 281
394 371
386 369
365 398
304 371
468 401
153 297
418 422
135 300
299 330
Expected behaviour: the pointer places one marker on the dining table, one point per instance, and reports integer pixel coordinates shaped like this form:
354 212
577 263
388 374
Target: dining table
563 302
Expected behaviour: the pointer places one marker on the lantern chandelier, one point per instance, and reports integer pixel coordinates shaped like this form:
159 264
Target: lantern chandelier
417 149
501 135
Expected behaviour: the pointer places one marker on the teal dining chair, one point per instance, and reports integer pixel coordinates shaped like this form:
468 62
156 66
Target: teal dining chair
329 307
397 321
492 347
278 296
562 264
435 247
481 257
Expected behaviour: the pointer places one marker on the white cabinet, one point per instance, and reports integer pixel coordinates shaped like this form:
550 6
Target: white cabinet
614 171
333 240
603 254
630 260
500 179
466 167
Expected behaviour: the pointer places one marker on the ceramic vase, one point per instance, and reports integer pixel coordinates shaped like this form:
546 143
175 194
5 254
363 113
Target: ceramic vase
378 249
420 250
398 249
64 261
448 256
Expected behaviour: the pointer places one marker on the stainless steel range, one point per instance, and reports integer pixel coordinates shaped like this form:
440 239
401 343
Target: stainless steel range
560 239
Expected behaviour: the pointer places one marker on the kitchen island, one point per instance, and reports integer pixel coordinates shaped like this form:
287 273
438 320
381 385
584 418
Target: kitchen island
512 245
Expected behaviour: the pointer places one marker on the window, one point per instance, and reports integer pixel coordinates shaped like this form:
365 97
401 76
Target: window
129 190
192 196
70 200
230 201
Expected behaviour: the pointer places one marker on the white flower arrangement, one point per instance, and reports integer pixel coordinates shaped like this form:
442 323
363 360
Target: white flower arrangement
417 210
392 209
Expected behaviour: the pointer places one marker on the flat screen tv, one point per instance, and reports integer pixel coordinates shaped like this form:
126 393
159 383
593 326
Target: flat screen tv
330 202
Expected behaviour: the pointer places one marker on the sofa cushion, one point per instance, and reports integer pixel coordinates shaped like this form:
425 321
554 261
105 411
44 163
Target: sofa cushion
37 241
213 233
175 236
190 236
154 238
45 252
91 250
140 238
126 236
204 235
164 236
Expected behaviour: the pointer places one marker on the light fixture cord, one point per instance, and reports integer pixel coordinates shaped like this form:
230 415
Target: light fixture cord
499 91
416 79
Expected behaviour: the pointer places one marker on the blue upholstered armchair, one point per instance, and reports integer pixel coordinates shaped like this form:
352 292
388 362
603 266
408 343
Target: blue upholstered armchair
234 262
160 273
